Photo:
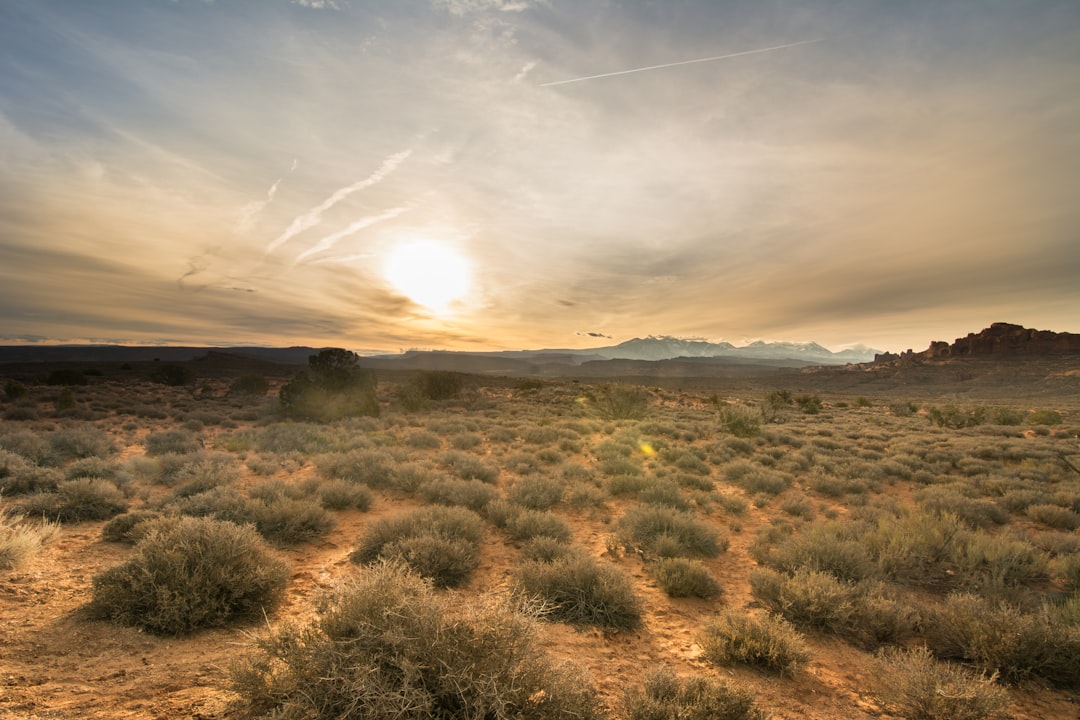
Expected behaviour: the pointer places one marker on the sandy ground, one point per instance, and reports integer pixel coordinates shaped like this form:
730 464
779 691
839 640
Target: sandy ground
56 664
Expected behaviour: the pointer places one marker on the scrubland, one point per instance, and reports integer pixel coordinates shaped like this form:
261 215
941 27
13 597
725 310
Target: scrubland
491 547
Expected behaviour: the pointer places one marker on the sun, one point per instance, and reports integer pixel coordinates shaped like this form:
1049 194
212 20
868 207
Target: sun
429 273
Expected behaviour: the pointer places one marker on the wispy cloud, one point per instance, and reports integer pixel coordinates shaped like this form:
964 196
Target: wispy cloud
681 62
329 241
312 217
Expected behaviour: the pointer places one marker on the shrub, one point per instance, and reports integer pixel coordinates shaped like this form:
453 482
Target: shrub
172 375
385 645
440 384
176 442
864 612
1044 417
472 494
956 418
20 540
286 521
468 467
579 589
14 390
667 532
666 697
767 641
343 495
190 573
77 500
332 388
81 441
682 577
809 404
249 385
128 528
536 492
754 479
911 683
66 376
1055 516
446 552
423 440
529 524
1000 638
370 467
822 546
620 402
740 421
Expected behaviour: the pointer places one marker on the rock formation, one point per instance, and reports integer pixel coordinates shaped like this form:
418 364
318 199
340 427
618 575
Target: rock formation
999 340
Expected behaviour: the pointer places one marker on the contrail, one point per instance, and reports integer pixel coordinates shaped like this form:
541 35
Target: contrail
312 217
682 62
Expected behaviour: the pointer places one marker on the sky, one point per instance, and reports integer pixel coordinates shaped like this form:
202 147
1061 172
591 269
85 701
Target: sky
504 174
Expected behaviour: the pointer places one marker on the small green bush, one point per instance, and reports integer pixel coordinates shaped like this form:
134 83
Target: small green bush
809 404
767 641
128 528
912 684
579 589
740 421
385 645
1044 417
683 577
620 402
666 697
190 573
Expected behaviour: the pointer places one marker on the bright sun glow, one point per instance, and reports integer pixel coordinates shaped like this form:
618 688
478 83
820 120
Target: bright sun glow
428 273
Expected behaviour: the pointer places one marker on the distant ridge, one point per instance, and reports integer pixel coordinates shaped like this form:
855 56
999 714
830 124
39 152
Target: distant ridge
999 340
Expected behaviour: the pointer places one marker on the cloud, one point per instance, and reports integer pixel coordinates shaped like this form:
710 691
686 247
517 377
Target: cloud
318 4
595 335
329 241
464 7
312 217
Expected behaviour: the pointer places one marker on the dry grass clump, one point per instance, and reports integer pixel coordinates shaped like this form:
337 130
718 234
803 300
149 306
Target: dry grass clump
344 495
667 697
865 612
370 467
80 441
998 637
667 532
190 573
21 540
472 494
440 543
172 442
386 645
536 492
911 683
1055 516
77 500
756 479
683 577
577 588
768 642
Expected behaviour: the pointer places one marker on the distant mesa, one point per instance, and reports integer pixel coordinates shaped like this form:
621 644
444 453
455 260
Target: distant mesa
998 340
